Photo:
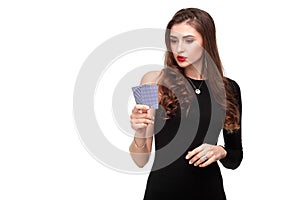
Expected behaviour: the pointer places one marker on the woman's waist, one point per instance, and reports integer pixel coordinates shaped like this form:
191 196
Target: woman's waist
183 170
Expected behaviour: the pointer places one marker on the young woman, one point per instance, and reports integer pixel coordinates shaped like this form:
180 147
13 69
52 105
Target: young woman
196 103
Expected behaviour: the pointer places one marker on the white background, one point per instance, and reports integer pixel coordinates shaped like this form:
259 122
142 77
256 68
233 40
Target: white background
43 45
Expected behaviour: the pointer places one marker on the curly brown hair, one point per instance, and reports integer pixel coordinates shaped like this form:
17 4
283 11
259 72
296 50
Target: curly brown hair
203 24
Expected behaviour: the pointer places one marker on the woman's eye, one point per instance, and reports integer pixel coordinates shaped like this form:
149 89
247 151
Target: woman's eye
189 41
173 41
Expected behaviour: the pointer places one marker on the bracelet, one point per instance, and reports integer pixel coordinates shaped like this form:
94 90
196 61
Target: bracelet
143 146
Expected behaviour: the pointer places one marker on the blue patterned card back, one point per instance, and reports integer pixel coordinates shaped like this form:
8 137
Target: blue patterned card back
147 95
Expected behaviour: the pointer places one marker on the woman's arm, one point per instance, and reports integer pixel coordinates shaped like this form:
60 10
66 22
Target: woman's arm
142 121
140 148
233 141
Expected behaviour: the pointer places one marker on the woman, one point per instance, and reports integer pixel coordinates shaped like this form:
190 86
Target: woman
196 102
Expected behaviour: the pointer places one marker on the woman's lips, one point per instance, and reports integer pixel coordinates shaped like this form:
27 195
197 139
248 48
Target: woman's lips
181 58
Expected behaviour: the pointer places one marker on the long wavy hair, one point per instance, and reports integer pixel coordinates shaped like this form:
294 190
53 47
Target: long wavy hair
203 23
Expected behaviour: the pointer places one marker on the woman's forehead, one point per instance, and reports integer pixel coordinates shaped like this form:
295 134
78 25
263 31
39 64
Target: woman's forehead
183 29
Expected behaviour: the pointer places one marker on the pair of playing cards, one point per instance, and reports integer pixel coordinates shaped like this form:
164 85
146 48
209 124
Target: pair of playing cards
147 95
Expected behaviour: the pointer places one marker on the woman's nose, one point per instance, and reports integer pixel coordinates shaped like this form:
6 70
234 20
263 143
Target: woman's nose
180 47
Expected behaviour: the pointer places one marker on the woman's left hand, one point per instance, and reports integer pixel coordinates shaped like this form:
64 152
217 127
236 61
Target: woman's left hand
205 154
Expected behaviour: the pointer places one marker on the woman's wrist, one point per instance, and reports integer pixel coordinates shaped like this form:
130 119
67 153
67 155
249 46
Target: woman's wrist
224 152
140 133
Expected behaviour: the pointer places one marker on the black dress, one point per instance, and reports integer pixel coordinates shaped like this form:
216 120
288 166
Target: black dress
178 179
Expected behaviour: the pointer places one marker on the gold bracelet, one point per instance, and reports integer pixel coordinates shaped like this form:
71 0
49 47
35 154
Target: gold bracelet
143 146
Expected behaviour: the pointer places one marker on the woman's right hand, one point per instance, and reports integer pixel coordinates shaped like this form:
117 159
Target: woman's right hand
140 118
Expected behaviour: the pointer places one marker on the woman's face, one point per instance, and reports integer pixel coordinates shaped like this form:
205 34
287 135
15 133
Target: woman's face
186 45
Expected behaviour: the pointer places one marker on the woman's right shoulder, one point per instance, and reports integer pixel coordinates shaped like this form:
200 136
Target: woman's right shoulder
151 77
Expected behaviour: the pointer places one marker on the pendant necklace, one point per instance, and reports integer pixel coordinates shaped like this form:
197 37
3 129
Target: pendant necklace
197 90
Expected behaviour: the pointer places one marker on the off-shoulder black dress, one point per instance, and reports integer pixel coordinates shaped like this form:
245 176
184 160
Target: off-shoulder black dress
178 179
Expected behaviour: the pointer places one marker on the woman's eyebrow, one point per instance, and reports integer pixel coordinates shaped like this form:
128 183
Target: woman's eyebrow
186 36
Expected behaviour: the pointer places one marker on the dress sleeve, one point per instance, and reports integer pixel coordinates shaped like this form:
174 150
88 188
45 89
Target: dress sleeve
233 141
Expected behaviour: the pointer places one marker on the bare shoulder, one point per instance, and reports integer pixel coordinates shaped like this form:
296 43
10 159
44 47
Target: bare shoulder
151 77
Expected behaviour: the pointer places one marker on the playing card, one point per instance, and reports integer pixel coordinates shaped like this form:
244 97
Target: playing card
137 94
147 95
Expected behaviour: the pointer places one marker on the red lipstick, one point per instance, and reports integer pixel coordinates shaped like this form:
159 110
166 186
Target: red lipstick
181 58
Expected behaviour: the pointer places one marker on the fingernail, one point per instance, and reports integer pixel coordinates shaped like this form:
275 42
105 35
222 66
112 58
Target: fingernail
187 157
190 162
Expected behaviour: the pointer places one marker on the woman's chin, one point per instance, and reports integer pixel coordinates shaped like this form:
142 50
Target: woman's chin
183 64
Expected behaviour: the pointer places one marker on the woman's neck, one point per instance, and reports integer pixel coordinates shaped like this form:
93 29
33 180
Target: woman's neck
194 73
